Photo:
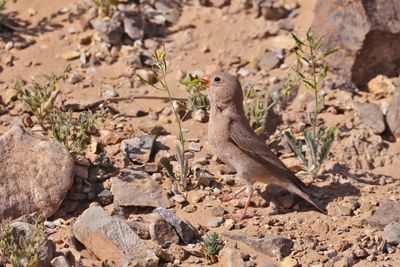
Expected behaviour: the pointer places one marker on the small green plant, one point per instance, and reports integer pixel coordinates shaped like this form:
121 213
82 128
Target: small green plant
318 139
197 95
159 71
3 2
74 133
211 246
40 99
21 249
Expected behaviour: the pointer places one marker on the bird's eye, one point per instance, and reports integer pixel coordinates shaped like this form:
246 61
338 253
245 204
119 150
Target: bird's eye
217 79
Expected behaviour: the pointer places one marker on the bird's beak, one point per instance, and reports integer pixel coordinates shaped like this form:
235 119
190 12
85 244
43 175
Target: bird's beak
207 83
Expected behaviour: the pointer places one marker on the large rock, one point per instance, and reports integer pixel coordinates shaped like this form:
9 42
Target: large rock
112 239
387 212
393 115
136 188
274 246
184 229
392 232
110 31
372 116
161 231
367 33
35 174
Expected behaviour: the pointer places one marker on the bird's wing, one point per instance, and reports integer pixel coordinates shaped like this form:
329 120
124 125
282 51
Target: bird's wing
242 135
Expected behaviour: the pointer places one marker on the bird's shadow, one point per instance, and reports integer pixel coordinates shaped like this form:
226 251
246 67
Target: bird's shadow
326 194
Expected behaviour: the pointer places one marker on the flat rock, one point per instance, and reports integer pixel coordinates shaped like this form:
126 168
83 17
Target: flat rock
136 188
369 46
161 231
112 239
231 258
392 232
184 229
215 222
274 246
372 116
393 115
35 174
271 59
138 148
387 212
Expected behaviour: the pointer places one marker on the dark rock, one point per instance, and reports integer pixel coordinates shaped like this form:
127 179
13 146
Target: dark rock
136 188
372 116
387 212
138 148
161 231
112 239
105 197
369 45
184 229
274 246
392 232
393 115
133 26
35 174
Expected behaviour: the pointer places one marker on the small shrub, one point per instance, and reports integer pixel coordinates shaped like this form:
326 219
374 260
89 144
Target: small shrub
211 246
21 250
40 99
74 133
318 139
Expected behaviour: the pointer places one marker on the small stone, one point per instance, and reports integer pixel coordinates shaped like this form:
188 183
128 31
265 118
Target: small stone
340 211
271 59
229 224
60 261
360 253
195 147
9 45
110 31
105 197
146 75
138 148
387 212
231 258
215 222
161 231
330 253
371 115
392 233
217 211
71 55
200 115
139 228
184 229
289 262
75 78
203 177
181 199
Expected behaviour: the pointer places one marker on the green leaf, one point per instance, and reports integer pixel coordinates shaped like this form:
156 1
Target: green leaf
297 40
312 145
168 167
324 72
330 52
295 145
326 147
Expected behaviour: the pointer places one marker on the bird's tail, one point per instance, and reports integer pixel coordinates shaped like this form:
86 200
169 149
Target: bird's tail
302 193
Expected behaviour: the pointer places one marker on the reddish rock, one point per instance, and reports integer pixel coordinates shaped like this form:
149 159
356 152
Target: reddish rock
368 33
393 115
35 174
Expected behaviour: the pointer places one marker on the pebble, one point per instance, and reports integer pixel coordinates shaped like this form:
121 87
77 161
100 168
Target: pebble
215 222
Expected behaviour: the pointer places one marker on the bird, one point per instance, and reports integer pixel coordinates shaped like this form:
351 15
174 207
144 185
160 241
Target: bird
234 142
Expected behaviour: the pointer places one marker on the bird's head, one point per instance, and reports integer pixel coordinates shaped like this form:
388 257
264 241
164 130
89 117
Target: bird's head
224 90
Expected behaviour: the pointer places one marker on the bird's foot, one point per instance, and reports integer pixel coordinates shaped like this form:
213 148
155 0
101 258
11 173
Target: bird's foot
228 197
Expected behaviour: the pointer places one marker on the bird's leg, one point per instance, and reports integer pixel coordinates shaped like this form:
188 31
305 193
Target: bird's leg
229 197
246 206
